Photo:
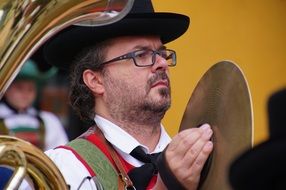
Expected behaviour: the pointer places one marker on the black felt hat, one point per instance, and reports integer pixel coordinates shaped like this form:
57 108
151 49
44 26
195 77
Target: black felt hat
264 166
61 50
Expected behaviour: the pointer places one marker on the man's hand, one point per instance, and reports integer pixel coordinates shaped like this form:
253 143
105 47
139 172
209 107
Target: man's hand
187 154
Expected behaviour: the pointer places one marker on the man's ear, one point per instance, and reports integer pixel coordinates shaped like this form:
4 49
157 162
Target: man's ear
93 81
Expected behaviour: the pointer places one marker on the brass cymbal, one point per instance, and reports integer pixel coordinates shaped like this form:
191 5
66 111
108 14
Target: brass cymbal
222 99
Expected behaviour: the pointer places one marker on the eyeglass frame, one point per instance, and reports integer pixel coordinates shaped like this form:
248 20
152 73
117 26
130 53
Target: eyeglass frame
131 55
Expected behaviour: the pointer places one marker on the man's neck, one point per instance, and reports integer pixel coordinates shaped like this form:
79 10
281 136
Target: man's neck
146 134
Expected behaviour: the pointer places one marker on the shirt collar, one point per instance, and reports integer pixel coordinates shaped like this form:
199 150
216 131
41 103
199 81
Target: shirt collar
123 140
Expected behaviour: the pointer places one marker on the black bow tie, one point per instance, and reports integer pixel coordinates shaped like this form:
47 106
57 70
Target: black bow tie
141 176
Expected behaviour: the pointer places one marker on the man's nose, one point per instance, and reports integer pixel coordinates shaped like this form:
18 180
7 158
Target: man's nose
160 63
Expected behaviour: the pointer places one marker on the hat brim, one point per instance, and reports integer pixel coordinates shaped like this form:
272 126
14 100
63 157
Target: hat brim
61 50
262 167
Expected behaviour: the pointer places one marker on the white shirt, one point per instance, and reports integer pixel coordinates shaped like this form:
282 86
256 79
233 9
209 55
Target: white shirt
75 172
55 134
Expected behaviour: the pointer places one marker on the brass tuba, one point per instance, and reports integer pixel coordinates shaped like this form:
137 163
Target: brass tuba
24 26
30 163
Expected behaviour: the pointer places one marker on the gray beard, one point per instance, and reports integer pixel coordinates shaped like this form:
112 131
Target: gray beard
128 106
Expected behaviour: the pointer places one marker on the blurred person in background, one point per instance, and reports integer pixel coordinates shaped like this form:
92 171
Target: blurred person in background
19 117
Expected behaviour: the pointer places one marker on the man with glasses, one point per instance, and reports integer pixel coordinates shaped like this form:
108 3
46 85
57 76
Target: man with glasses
120 79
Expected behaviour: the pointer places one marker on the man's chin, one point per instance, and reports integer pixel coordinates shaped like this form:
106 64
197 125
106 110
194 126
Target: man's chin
158 104
162 106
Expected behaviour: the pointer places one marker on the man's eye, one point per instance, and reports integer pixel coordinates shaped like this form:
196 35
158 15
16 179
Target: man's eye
142 54
164 54
168 56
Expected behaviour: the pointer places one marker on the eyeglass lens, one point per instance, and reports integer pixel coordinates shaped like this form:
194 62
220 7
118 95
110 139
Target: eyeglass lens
148 57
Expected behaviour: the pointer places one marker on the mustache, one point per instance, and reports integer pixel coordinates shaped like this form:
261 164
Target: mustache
160 75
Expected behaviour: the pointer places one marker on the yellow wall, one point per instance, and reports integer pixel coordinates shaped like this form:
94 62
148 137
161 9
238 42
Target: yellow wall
252 33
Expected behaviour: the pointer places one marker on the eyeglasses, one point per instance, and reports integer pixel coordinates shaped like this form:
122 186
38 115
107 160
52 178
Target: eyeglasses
147 57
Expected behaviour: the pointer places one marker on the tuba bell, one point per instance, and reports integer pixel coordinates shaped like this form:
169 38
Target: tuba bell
24 26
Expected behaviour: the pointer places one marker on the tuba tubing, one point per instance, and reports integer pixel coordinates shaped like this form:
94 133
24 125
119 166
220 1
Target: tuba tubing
11 155
28 161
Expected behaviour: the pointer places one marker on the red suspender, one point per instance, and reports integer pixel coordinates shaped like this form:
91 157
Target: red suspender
91 172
